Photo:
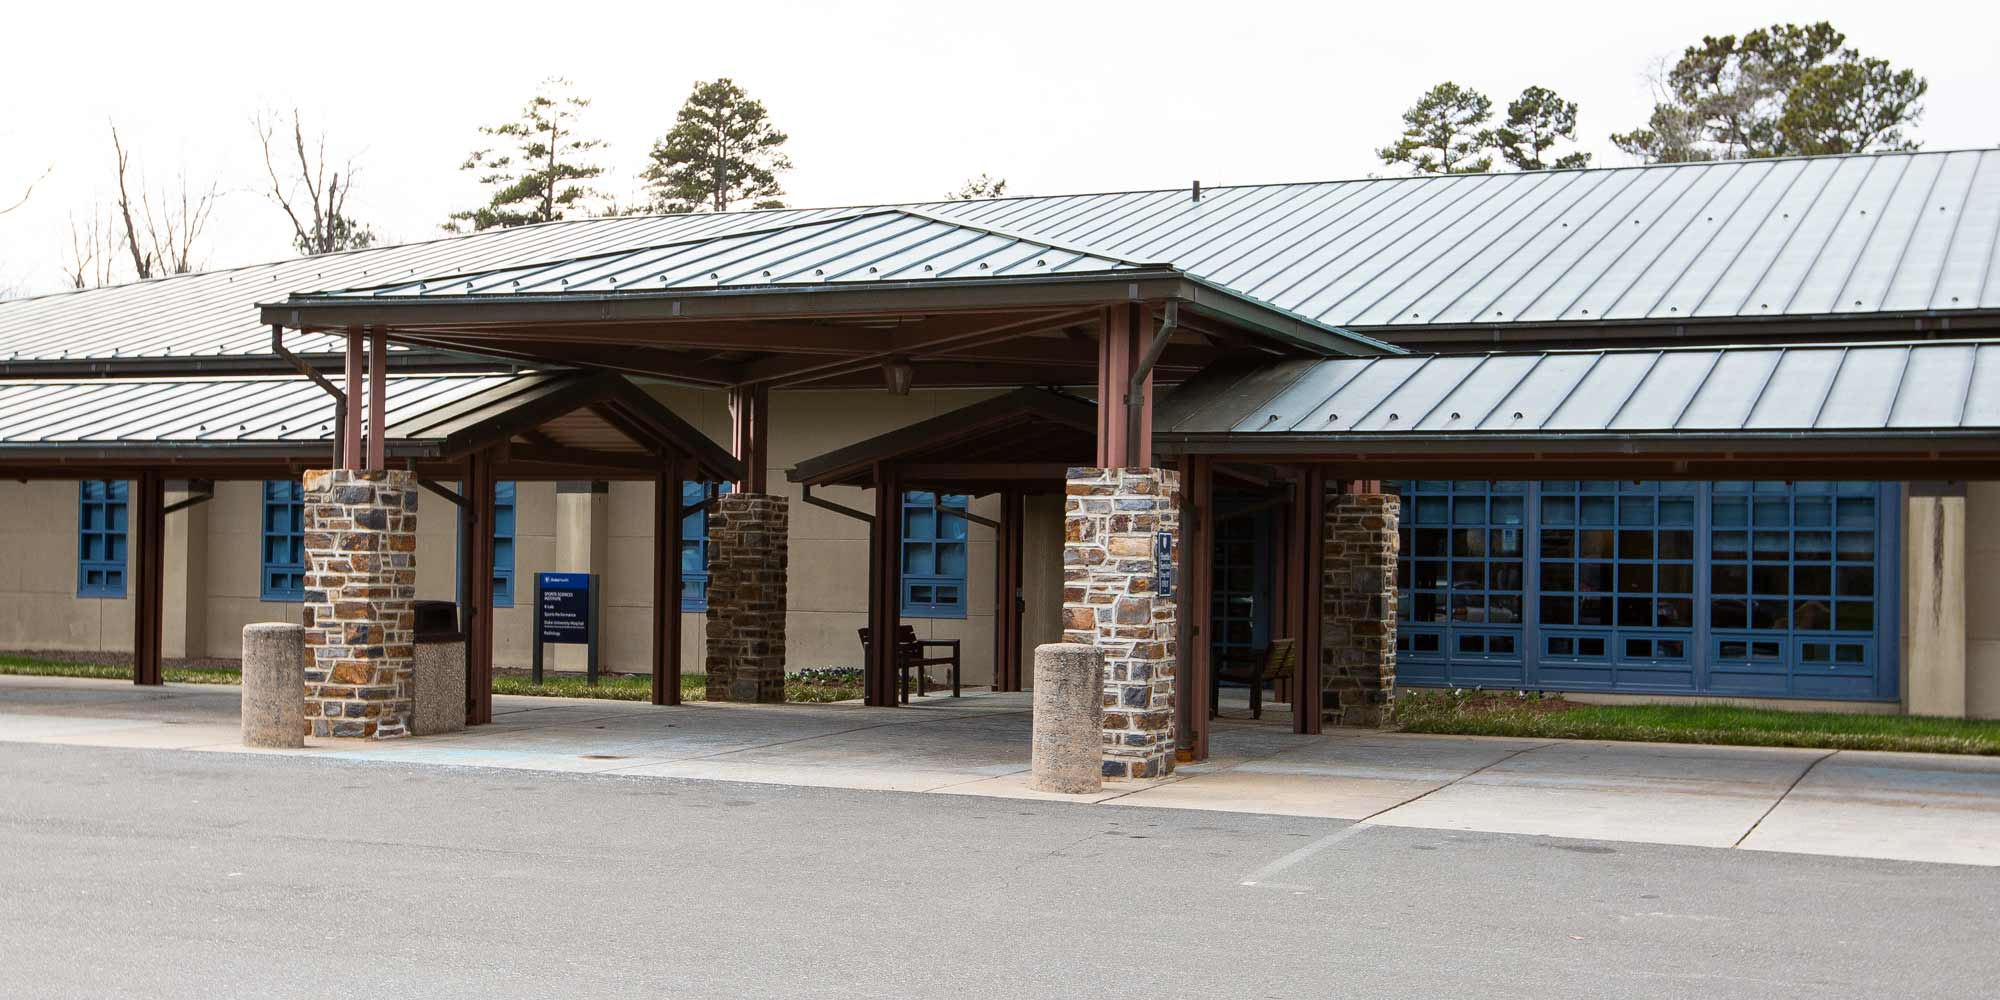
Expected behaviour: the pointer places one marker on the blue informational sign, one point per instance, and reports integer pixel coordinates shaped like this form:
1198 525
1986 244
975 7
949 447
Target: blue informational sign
564 612
1163 564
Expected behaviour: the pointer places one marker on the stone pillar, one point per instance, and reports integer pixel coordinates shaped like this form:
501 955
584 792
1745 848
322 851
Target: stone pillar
1934 596
361 574
1113 520
1066 755
1358 607
748 535
583 539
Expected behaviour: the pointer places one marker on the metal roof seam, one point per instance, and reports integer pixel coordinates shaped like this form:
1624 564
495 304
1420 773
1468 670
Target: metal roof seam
1419 245
1668 288
1889 413
1391 394
1469 376
1573 387
1362 257
1827 394
1568 178
1359 366
1323 245
1986 267
1903 252
1867 172
1646 230
1951 238
1762 388
1971 379
1594 244
1637 384
1502 398
1861 250
1536 264
1308 229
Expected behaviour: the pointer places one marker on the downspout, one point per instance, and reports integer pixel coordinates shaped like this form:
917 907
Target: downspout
339 398
1135 394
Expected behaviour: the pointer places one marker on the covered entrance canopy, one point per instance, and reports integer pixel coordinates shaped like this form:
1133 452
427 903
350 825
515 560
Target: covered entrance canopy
475 429
1014 445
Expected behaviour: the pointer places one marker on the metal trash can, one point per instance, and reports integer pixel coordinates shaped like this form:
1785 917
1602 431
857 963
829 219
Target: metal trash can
438 669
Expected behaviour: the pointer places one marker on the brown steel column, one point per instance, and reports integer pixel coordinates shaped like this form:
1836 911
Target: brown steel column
1196 583
378 400
1308 583
350 429
148 504
1116 360
750 435
478 569
885 604
1007 562
667 583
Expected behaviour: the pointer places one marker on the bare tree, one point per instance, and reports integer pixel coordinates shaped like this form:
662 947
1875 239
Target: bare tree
93 248
313 199
170 231
29 190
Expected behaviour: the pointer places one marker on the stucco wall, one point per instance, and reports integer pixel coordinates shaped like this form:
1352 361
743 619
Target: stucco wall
39 608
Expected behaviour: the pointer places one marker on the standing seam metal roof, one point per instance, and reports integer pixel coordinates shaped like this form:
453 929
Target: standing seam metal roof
1886 233
1938 386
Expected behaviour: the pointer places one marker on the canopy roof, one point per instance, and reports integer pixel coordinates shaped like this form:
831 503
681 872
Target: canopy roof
562 425
1882 409
1802 247
1026 438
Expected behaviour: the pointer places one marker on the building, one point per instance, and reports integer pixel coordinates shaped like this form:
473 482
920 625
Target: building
1718 429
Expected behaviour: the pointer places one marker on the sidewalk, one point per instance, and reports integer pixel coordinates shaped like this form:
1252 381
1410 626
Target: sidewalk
1916 807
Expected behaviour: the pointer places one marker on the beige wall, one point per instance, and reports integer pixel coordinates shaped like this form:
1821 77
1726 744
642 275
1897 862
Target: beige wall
39 608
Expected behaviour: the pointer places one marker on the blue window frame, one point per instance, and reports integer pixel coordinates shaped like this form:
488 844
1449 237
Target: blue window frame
100 538
503 545
284 541
1734 588
933 555
694 544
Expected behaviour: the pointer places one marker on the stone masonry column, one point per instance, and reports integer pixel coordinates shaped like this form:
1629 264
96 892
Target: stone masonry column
748 538
361 575
1358 607
1113 521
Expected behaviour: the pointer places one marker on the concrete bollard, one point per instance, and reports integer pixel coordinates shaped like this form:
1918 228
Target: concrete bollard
274 685
438 673
1069 719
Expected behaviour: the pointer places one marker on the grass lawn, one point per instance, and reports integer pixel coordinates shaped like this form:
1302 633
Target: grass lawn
808 686
1488 713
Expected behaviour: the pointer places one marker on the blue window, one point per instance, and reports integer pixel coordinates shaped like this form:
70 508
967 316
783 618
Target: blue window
694 545
284 541
1765 589
100 539
933 555
503 545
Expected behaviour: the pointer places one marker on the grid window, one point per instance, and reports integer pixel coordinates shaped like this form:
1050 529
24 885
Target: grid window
934 543
284 541
1460 582
694 544
1792 574
101 538
503 545
1617 558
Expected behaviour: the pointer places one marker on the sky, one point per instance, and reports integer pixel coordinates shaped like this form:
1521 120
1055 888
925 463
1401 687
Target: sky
884 101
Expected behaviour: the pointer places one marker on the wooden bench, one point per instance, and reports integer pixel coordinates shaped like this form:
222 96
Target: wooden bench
913 656
1277 662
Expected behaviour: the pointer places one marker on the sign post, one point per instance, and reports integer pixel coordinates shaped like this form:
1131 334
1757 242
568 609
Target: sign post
566 613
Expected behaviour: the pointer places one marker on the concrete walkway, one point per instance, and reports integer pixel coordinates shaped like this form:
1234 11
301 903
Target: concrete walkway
1914 807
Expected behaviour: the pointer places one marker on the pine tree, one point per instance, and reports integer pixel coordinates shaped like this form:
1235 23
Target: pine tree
1535 121
1444 132
538 174
722 150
